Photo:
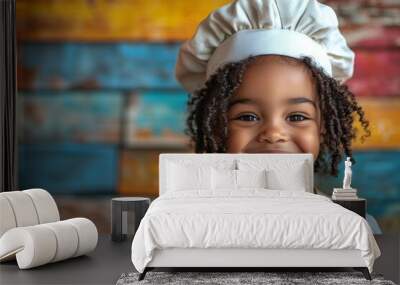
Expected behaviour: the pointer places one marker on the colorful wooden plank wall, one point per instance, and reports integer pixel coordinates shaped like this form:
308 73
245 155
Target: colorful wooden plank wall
100 74
164 20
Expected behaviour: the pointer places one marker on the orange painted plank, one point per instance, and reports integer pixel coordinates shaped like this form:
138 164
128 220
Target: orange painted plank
384 117
117 20
139 172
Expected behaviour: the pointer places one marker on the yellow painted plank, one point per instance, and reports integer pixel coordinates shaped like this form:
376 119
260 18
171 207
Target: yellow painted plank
384 117
105 20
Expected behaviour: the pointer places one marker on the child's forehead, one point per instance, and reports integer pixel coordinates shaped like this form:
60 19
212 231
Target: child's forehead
268 99
277 77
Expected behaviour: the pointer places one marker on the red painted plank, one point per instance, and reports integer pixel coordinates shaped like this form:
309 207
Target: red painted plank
373 37
376 74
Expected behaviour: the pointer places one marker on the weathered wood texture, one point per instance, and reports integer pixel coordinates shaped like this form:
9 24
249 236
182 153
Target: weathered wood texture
130 66
383 115
96 66
376 74
80 20
155 118
68 168
165 20
139 172
78 116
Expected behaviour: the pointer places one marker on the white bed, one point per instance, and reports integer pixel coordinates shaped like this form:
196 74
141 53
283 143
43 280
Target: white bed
201 221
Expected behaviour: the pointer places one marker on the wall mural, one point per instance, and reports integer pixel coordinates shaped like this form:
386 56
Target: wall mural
98 100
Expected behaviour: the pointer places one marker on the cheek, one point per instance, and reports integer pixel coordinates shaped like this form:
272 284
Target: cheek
238 138
309 142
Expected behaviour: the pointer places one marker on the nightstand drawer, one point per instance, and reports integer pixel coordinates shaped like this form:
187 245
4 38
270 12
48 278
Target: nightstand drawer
357 206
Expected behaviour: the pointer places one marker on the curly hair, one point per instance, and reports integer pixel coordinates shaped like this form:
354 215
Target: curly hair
207 122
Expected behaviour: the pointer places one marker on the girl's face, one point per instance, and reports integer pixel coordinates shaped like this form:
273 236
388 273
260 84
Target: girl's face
275 110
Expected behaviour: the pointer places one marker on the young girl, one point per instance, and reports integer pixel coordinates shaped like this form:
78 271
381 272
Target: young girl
267 77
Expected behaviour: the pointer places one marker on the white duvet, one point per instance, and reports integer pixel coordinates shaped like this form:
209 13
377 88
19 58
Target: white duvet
252 218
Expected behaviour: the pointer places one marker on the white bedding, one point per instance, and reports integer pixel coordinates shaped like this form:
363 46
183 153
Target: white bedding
251 218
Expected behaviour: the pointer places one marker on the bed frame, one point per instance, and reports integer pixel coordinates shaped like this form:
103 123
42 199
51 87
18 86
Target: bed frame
248 259
242 259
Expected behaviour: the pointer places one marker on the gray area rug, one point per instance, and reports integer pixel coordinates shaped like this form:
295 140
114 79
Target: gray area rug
228 278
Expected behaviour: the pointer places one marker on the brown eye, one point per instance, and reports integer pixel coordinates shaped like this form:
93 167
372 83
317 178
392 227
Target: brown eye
248 118
297 118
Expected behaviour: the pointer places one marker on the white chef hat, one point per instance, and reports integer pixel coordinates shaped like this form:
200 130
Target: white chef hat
294 28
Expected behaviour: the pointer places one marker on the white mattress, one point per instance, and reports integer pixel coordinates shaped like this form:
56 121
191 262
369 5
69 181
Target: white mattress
251 218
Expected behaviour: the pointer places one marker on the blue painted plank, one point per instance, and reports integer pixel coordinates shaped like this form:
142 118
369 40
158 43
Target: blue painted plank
70 117
376 176
69 168
156 118
63 66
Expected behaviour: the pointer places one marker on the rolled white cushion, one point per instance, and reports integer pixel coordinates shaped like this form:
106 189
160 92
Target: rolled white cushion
33 245
40 244
23 208
67 240
7 218
87 234
45 205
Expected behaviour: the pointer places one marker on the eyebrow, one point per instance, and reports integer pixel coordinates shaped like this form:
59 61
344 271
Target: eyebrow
242 101
291 101
299 100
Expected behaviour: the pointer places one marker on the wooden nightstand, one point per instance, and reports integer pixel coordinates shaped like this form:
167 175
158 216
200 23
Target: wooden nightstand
358 206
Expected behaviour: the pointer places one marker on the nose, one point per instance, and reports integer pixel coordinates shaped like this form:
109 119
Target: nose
272 132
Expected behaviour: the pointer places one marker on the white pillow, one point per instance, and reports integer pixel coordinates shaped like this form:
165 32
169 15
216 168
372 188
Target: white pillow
228 179
224 179
251 178
181 177
282 174
295 180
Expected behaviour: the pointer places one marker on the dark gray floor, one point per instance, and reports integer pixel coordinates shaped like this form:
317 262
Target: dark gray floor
110 260
102 266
